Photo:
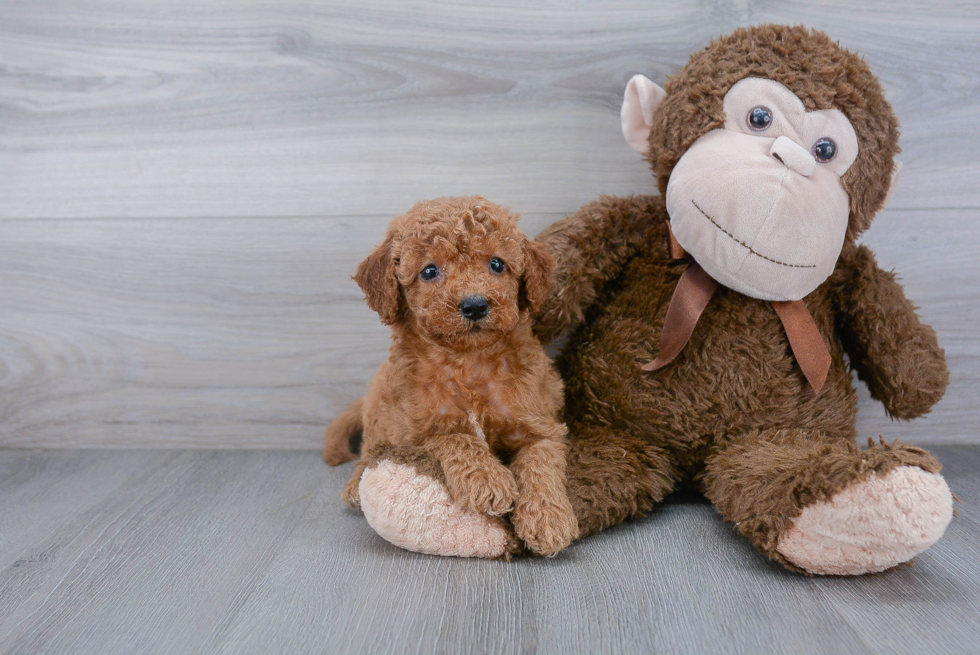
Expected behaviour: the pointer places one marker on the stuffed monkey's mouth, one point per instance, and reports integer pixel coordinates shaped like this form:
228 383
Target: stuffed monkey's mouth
751 250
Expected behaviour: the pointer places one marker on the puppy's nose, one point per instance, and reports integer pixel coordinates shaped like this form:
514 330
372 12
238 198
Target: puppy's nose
474 308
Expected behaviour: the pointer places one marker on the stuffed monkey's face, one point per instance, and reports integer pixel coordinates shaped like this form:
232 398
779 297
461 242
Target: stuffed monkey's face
759 203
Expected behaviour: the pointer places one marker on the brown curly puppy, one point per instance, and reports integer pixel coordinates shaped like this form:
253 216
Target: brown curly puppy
465 379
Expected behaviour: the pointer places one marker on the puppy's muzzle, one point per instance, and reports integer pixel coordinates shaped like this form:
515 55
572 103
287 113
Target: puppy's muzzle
474 308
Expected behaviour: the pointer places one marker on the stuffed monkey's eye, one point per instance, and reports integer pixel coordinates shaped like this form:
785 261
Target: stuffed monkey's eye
430 272
497 266
824 150
759 118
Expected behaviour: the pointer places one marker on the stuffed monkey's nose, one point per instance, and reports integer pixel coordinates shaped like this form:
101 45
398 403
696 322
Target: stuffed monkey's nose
474 308
793 156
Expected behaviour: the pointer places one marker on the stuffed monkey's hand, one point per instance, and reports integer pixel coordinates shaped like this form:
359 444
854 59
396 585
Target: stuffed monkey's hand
590 248
895 354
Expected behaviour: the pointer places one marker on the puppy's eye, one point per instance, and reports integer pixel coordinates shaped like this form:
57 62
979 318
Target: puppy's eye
430 272
759 118
497 266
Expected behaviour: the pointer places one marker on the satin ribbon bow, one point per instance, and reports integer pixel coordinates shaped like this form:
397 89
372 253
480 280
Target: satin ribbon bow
693 293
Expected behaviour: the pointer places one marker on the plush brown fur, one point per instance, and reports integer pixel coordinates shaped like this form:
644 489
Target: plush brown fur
472 395
763 480
736 379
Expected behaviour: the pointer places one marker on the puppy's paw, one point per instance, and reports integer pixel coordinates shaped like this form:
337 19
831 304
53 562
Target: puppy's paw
546 525
490 489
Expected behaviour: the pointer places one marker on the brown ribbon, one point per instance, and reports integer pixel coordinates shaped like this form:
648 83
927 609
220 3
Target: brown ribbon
693 293
676 249
804 338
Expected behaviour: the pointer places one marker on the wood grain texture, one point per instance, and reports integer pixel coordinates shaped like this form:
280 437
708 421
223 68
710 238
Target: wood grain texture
237 552
244 108
158 564
185 187
249 333
41 493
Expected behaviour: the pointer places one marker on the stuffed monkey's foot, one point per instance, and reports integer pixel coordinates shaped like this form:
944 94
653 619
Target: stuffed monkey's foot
404 500
871 526
824 506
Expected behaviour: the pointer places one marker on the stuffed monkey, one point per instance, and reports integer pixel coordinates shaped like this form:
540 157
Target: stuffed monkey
709 326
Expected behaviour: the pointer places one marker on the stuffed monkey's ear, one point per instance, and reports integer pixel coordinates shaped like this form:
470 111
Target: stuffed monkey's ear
896 171
376 277
538 265
640 102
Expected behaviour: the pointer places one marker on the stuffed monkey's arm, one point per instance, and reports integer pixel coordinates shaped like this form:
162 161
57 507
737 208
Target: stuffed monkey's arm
591 247
895 354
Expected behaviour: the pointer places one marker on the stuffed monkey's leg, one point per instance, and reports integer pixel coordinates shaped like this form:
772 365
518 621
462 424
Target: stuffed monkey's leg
403 496
613 476
825 506
610 476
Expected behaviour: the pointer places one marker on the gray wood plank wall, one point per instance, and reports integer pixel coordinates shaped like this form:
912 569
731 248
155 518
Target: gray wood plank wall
185 187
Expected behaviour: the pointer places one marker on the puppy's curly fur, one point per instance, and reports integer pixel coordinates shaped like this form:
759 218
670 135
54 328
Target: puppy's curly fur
480 396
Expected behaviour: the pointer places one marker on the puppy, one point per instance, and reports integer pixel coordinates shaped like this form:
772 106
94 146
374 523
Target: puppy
465 379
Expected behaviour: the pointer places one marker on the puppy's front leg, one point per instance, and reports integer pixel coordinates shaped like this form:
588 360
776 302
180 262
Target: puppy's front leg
543 515
475 479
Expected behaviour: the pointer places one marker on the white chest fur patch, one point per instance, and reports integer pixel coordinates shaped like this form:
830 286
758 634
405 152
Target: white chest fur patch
475 422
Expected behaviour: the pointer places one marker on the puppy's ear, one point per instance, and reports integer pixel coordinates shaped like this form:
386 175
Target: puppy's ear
538 265
376 277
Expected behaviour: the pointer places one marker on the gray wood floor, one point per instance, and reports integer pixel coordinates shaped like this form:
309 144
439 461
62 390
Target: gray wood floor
252 552
186 186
